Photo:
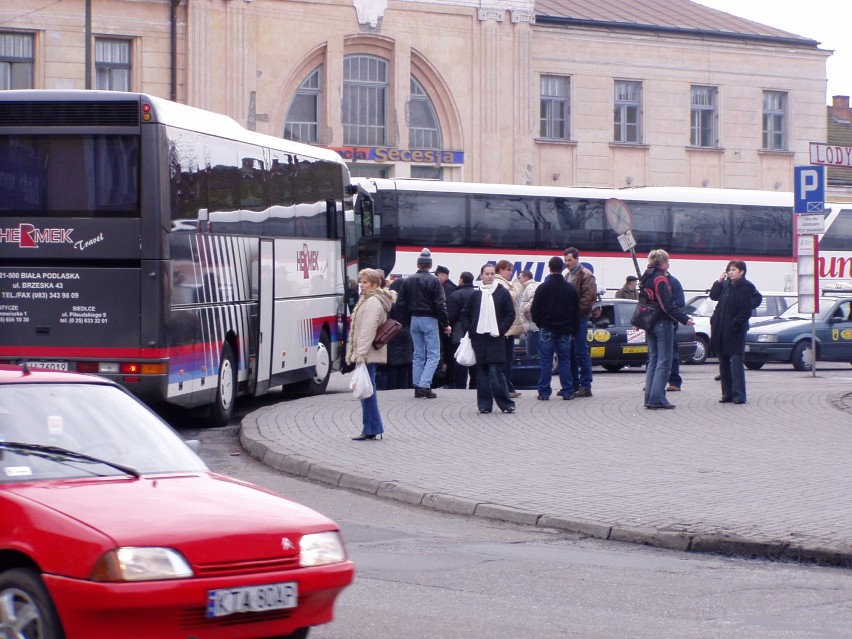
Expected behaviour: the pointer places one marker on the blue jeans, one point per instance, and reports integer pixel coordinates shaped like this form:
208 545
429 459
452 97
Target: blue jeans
427 350
581 360
533 338
491 387
560 344
674 377
659 367
370 418
732 377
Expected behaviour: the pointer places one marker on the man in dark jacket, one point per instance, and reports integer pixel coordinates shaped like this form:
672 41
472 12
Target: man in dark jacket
679 300
556 311
587 288
445 372
455 304
421 298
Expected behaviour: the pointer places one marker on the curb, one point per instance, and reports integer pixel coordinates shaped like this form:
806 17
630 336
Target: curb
722 544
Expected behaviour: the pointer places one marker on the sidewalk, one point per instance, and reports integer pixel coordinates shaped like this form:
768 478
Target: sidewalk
770 478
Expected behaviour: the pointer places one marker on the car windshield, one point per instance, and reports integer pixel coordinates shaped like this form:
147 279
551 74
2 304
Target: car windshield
825 305
84 430
701 306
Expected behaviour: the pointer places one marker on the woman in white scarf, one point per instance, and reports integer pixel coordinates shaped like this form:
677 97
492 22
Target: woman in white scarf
486 317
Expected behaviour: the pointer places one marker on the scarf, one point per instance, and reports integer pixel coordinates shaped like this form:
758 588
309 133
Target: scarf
487 316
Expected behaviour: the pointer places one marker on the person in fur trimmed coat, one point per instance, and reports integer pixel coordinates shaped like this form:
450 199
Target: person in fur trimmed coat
369 313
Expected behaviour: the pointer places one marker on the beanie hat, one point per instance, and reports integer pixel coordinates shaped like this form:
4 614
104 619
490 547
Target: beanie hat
425 258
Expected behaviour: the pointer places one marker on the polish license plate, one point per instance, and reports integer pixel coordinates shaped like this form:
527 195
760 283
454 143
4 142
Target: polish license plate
50 366
229 601
634 349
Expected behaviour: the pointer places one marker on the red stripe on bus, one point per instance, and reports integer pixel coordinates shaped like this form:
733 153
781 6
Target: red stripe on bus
30 352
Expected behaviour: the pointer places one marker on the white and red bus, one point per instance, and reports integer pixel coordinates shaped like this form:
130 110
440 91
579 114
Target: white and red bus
168 248
466 225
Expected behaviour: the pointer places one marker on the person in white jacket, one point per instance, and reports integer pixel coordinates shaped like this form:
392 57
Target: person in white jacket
525 302
369 313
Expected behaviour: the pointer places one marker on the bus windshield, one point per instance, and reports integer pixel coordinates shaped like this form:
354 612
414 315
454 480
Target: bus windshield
70 175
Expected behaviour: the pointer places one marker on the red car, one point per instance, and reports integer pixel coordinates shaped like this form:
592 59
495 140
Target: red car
111 526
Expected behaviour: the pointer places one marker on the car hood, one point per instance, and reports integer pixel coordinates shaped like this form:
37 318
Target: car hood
774 325
208 517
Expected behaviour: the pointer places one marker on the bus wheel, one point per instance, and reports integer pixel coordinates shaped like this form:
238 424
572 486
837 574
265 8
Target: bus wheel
803 356
317 384
226 388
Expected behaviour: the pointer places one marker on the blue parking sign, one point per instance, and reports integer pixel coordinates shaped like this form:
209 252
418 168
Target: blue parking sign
809 189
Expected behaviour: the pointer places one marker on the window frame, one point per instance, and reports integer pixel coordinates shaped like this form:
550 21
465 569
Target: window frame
11 65
311 88
550 103
623 106
109 69
775 121
358 92
421 137
704 134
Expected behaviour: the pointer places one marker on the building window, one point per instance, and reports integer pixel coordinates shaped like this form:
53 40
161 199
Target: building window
703 117
554 107
775 120
112 64
628 111
424 132
16 61
365 91
302 124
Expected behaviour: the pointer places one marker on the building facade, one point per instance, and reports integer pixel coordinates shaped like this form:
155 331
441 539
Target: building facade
552 92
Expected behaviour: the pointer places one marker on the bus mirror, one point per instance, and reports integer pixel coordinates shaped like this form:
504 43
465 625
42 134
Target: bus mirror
366 208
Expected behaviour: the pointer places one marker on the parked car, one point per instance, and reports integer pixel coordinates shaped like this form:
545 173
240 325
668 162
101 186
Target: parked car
787 338
111 526
612 347
701 309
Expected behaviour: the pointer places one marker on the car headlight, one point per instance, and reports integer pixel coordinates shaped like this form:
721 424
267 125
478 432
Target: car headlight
140 564
767 338
318 549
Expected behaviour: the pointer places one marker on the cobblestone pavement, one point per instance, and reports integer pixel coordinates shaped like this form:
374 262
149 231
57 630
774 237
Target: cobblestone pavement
768 478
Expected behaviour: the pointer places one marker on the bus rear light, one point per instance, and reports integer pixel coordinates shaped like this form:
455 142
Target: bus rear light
146 112
129 368
87 367
153 369
131 379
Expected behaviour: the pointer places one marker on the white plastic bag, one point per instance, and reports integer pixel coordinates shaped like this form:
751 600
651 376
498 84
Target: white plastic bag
464 353
361 386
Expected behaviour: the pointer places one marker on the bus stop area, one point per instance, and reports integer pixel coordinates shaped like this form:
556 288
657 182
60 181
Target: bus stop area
770 478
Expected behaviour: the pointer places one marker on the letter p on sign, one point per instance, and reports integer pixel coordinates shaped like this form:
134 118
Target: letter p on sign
809 196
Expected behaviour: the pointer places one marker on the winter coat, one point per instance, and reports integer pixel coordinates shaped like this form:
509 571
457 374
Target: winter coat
657 281
729 323
625 293
455 305
489 349
515 288
556 306
400 348
525 304
369 313
587 287
421 295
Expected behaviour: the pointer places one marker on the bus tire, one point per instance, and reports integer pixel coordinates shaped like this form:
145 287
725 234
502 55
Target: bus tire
317 384
803 356
226 388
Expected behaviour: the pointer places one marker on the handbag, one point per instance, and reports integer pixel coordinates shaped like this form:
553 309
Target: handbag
386 332
464 353
646 313
361 386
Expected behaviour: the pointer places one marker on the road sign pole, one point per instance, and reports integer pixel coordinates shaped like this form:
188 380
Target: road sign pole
635 262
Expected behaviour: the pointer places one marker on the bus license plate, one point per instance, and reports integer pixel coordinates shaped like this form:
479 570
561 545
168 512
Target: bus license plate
50 366
229 601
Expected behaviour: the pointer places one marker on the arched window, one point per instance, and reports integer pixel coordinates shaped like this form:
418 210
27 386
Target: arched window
302 123
424 131
365 92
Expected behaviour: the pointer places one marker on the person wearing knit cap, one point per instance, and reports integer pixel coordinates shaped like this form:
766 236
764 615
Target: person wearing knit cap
421 298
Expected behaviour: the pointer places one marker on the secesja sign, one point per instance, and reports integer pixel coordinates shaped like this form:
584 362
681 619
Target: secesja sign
383 154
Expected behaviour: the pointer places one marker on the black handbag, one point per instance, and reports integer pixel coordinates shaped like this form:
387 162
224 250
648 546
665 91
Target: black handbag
646 313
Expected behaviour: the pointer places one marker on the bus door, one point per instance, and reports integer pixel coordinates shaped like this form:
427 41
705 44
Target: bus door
266 305
375 248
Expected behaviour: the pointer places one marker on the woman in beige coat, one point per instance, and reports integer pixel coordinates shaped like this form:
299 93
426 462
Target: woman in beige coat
369 313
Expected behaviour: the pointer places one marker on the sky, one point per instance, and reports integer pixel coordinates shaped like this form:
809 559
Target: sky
829 22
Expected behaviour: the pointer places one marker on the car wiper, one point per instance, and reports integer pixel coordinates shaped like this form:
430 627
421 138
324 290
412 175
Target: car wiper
54 452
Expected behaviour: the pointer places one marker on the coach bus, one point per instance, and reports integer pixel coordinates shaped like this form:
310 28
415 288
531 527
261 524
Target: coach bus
466 225
169 249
